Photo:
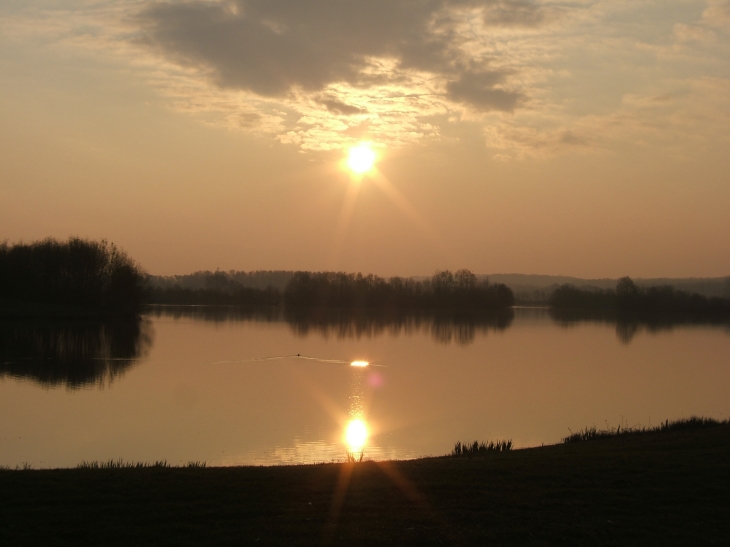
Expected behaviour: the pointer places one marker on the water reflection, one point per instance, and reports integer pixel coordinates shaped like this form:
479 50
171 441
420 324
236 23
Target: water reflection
72 353
628 327
356 434
443 327
356 431
217 314
530 383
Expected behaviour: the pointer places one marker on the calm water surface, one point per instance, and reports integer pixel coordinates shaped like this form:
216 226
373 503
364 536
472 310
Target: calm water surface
227 389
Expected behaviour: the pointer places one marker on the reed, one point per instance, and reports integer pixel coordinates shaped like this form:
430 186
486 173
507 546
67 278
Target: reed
24 467
121 464
476 448
354 457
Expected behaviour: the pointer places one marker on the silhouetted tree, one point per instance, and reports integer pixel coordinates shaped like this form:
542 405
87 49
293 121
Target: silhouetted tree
627 294
78 273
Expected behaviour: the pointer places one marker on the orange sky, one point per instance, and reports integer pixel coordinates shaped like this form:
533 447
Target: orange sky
585 138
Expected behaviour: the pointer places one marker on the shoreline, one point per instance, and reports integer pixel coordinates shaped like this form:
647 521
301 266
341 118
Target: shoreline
670 488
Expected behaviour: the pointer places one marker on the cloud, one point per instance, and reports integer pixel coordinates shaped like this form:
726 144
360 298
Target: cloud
532 142
518 13
717 13
539 78
478 90
696 114
273 47
693 33
338 107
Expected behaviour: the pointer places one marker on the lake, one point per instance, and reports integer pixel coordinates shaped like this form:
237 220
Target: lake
240 388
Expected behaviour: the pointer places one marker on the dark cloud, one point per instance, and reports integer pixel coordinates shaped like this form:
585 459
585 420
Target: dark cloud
515 13
249 119
661 99
571 139
338 107
477 89
270 47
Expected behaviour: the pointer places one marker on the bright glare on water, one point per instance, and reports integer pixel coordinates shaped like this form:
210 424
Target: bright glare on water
356 434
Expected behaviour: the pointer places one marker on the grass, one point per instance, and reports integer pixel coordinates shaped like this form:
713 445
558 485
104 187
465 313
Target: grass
354 457
25 466
685 424
476 448
121 464
667 487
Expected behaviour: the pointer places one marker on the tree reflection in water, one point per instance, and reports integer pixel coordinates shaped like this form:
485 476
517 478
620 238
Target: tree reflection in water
444 327
218 314
72 353
627 327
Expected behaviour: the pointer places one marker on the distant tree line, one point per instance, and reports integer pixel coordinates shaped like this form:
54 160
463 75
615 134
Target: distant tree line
215 289
231 295
629 299
80 276
77 275
260 279
445 290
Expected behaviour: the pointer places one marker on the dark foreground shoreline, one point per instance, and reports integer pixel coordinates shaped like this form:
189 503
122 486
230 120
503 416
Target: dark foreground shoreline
667 488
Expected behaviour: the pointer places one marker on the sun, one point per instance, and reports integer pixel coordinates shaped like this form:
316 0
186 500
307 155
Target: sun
361 158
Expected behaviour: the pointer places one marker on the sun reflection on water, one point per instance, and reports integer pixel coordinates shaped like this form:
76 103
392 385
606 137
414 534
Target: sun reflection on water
357 431
356 435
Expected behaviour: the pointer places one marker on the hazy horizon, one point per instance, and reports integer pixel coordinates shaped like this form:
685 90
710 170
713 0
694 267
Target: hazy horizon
424 275
585 138
526 286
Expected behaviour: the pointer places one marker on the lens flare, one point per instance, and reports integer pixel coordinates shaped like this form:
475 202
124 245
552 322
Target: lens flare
356 434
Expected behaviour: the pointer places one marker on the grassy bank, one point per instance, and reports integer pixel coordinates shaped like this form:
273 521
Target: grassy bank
660 488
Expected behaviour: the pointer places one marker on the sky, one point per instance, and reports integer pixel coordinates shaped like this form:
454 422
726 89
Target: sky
584 138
